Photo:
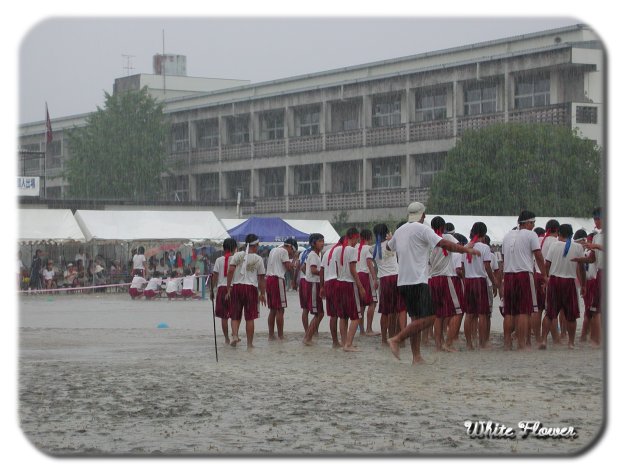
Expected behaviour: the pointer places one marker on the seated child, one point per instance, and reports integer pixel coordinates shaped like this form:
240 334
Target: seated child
153 287
188 284
172 286
136 289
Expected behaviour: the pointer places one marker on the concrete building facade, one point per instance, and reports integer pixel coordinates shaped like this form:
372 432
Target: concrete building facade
367 139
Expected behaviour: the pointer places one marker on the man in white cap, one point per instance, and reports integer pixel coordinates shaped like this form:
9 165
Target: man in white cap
413 243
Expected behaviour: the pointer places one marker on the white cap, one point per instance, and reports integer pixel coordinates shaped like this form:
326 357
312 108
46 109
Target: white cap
416 210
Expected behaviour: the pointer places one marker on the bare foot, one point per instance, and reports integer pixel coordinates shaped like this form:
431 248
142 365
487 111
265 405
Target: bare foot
307 342
418 360
336 345
394 347
227 340
447 348
282 338
571 346
351 349
542 346
372 333
271 338
234 341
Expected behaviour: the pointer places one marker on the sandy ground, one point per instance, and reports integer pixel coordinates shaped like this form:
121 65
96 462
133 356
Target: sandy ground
96 376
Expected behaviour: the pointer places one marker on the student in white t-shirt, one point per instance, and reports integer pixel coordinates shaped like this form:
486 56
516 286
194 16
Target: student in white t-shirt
279 262
223 307
413 243
246 277
153 287
139 263
329 281
368 276
314 302
188 283
561 292
136 289
548 238
173 285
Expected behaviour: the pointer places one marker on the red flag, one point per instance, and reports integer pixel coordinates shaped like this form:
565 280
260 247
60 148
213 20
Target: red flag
48 127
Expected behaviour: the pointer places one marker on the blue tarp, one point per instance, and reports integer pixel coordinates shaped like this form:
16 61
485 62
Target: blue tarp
268 229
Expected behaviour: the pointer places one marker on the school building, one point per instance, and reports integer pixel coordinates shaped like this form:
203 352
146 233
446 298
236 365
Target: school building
365 140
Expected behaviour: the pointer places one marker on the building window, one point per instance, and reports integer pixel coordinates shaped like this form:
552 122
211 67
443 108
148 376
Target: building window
345 116
586 115
239 130
238 182
273 182
272 125
177 188
208 187
307 121
346 177
180 138
431 105
480 98
532 91
386 173
54 154
386 111
308 179
30 157
207 134
426 167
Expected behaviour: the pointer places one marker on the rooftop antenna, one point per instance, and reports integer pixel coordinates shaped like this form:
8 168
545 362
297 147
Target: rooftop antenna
128 63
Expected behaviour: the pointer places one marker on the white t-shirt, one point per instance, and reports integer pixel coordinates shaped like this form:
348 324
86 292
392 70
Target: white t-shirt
218 268
172 285
275 264
138 282
562 266
188 282
476 267
413 243
248 266
364 253
544 248
599 239
590 267
139 261
494 266
313 259
344 266
443 265
517 248
387 265
330 267
48 275
154 284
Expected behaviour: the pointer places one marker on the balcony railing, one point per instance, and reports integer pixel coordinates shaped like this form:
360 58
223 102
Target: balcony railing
178 159
419 194
269 148
269 205
386 198
430 130
305 203
205 155
558 115
306 144
343 140
336 201
236 152
477 122
386 135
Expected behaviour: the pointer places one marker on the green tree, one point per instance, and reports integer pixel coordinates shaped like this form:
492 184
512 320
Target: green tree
505 168
120 153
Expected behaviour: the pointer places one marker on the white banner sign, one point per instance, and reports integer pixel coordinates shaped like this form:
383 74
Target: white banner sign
28 185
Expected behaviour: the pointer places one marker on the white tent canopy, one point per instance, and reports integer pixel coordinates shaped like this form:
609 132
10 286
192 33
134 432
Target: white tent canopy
499 226
194 226
307 226
48 226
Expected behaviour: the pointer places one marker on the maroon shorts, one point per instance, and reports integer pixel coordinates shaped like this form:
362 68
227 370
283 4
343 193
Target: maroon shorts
331 307
540 291
348 298
476 296
222 306
390 300
150 293
133 292
597 292
447 295
187 292
589 297
519 293
244 300
562 295
171 295
314 303
276 292
369 288
302 290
